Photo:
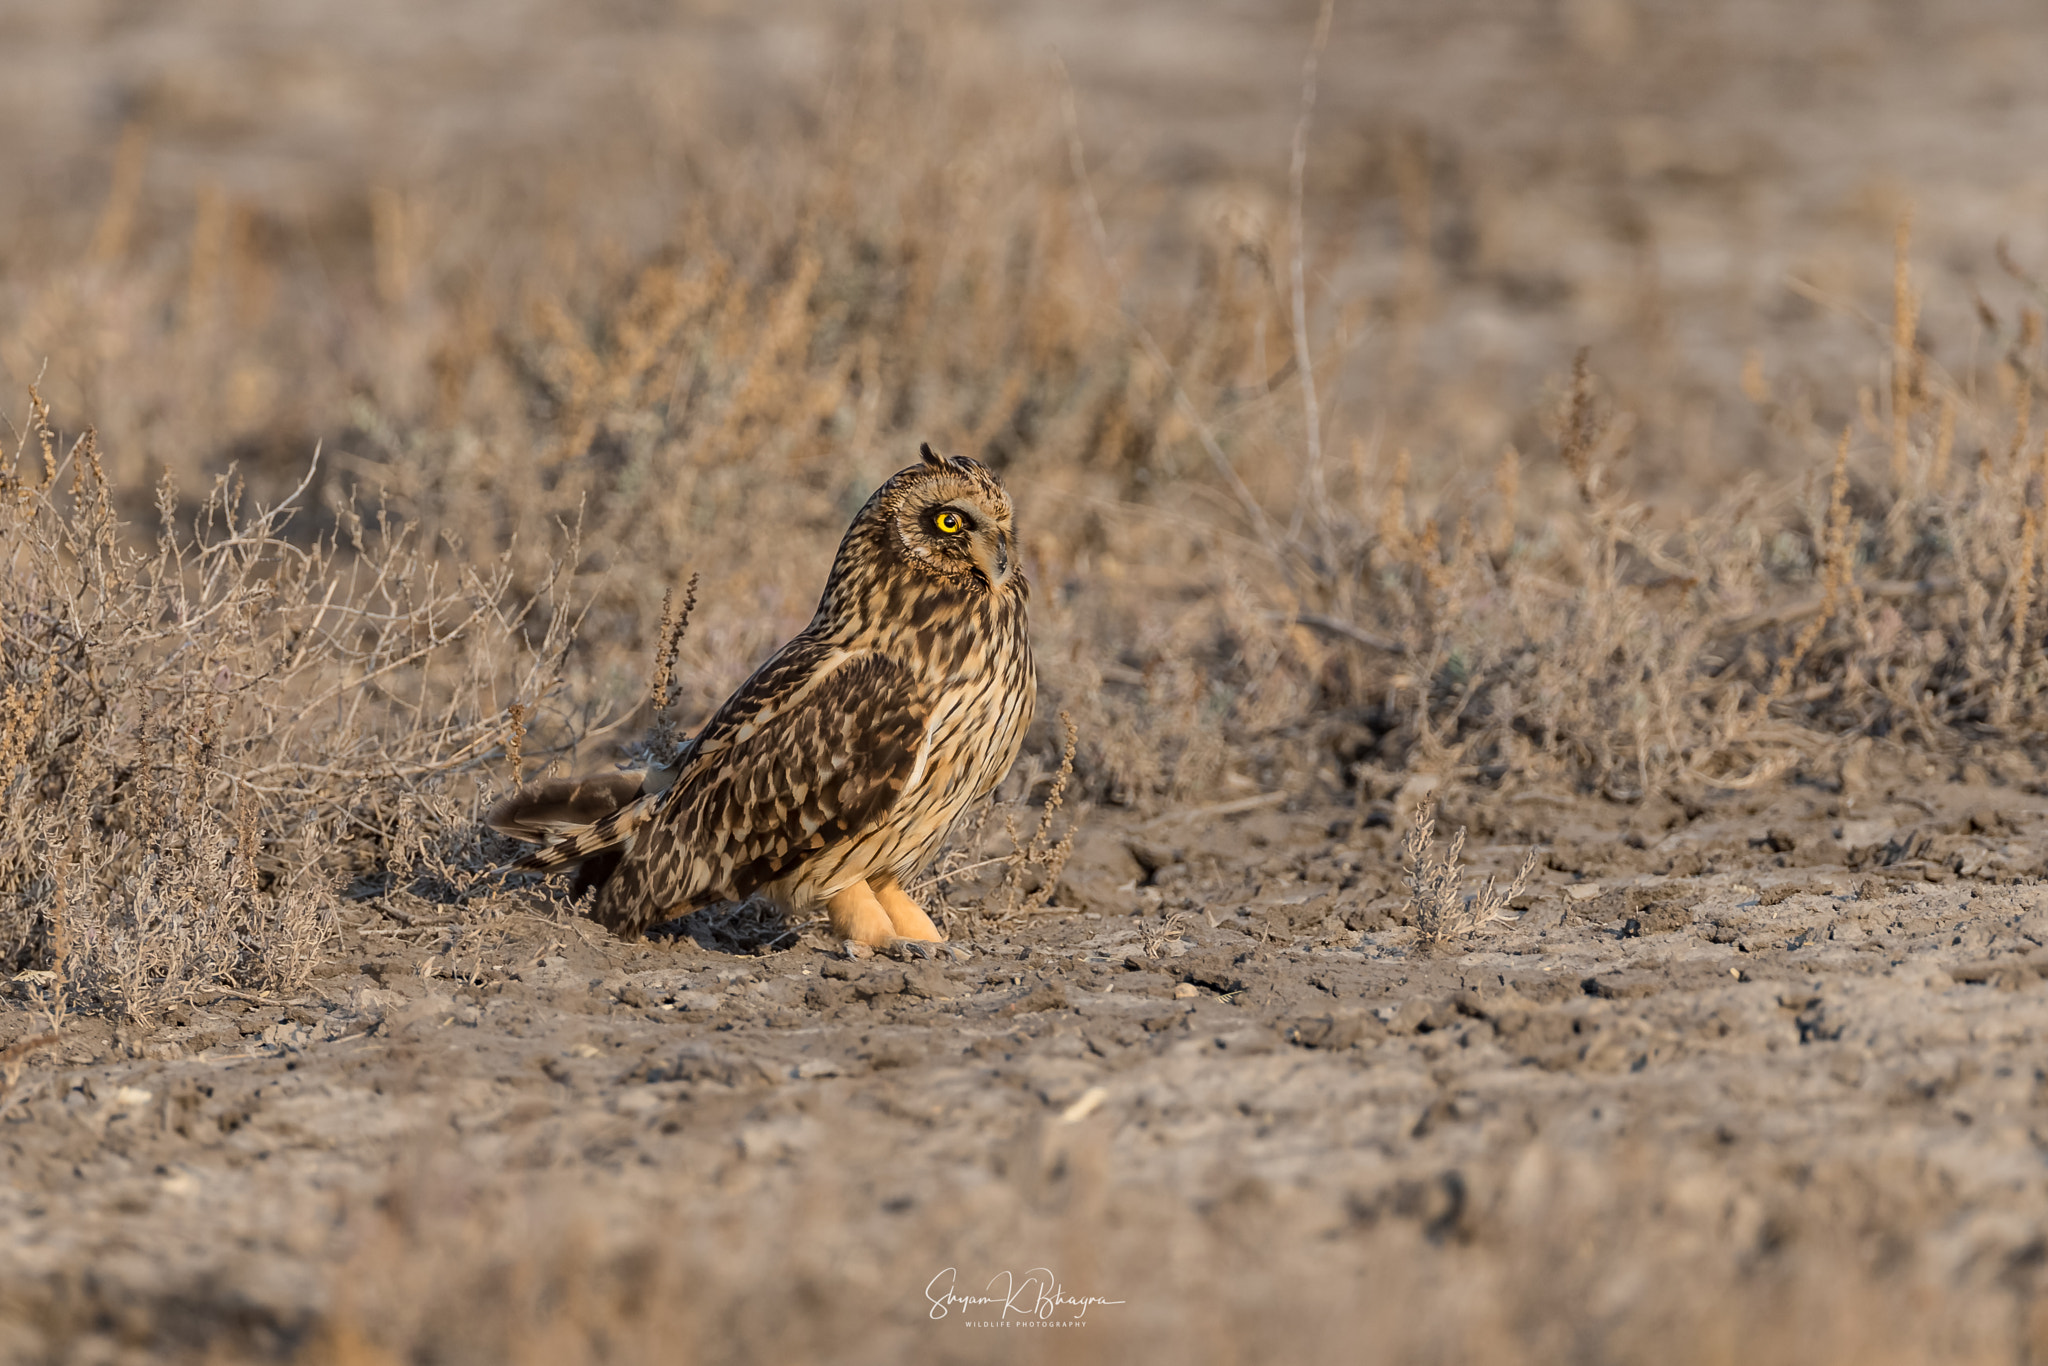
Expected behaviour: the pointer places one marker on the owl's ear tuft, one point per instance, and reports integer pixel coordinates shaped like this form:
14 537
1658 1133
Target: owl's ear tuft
931 457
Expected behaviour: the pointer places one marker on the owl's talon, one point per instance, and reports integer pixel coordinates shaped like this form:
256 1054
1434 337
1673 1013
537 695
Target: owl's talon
858 951
906 949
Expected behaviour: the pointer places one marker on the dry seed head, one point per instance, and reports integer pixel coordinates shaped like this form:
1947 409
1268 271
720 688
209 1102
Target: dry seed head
2021 359
1582 427
1944 443
1051 857
1507 485
46 436
515 738
21 717
669 640
1905 356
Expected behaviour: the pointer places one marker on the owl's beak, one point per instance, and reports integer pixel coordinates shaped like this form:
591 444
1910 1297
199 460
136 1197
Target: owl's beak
993 557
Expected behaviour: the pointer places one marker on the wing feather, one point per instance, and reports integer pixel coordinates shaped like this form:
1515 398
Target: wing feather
815 747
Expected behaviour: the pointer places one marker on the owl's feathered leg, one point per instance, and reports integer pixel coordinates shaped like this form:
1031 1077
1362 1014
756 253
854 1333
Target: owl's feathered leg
905 915
859 919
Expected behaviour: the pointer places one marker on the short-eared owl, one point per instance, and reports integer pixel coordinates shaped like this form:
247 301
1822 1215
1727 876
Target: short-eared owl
833 773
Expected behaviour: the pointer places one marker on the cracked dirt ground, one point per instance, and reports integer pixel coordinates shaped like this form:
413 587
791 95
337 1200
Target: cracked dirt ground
1761 1074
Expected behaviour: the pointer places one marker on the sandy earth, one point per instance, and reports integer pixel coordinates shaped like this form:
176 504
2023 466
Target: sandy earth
1802 1021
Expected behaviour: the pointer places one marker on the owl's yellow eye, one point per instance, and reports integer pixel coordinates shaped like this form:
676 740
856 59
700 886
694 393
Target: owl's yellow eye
948 522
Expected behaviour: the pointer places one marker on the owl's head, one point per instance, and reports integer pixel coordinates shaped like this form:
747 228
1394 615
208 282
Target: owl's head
950 518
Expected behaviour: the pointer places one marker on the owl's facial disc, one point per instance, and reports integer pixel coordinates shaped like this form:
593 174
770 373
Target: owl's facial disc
962 532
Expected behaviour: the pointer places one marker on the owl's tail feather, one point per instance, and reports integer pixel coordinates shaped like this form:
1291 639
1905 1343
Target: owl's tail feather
582 823
542 812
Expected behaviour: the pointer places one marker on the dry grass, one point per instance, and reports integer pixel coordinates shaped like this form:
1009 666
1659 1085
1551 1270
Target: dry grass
209 737
1441 910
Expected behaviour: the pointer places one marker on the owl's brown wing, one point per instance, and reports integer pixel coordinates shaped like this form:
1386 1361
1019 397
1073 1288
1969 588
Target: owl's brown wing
814 747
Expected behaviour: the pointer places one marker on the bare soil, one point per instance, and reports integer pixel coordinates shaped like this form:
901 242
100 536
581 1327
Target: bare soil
1786 1040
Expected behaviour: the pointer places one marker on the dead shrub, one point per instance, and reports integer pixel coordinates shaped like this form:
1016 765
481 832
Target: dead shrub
209 740
1436 886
